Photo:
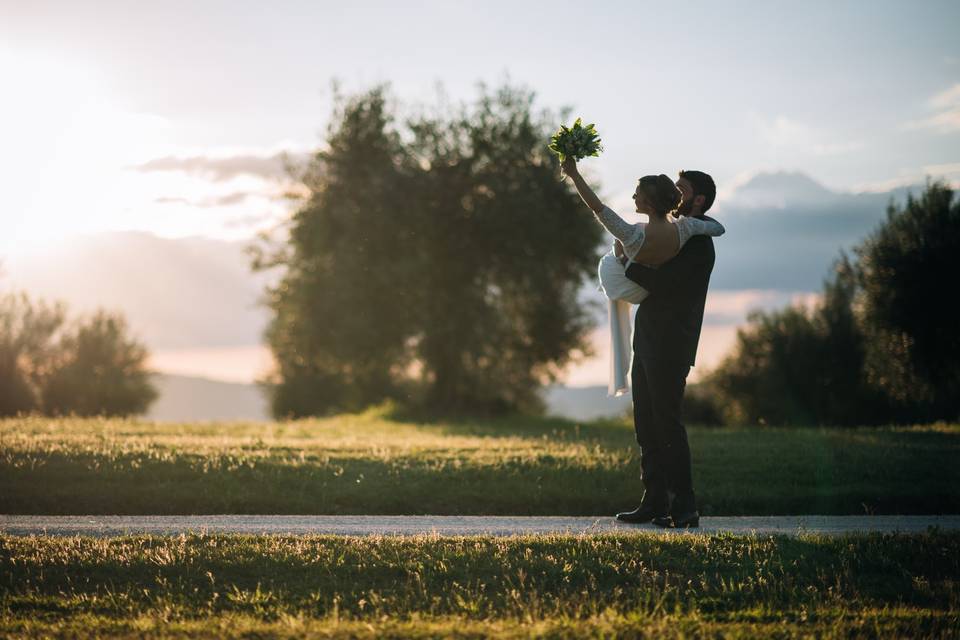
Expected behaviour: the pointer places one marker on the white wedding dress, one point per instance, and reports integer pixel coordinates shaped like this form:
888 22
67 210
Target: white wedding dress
621 291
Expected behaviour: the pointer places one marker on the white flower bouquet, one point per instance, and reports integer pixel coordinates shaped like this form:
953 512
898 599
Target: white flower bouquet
578 141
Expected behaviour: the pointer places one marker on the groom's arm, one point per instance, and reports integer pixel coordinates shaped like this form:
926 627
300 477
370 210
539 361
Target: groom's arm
676 273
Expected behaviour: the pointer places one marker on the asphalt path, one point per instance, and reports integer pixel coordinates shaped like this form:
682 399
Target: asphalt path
455 525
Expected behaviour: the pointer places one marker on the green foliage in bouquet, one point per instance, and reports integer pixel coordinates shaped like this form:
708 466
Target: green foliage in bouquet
578 141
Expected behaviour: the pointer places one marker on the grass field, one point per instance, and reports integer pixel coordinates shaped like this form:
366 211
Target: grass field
609 585
372 464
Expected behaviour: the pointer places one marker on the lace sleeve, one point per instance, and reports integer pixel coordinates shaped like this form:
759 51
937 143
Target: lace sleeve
631 235
687 227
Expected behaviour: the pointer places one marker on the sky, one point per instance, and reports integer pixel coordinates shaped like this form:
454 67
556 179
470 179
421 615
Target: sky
169 117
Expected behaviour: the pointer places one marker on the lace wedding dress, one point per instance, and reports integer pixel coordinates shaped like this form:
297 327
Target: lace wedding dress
621 291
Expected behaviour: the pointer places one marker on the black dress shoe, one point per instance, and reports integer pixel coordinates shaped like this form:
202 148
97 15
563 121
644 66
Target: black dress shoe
642 514
688 520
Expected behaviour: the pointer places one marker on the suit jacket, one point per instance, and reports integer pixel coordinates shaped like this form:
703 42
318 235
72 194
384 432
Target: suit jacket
668 321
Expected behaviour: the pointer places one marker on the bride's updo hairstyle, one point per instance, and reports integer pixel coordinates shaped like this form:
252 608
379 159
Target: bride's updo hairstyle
661 193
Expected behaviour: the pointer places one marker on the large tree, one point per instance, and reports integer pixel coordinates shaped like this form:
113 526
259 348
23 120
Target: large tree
436 262
344 308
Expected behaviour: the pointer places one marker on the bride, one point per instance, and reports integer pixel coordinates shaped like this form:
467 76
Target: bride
651 243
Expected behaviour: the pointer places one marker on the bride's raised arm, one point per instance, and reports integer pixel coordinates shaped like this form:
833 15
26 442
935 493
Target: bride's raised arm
631 235
586 193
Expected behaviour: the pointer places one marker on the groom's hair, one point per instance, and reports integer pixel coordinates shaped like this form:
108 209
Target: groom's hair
702 185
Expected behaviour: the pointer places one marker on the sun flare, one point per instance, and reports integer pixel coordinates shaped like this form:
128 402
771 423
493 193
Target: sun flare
66 139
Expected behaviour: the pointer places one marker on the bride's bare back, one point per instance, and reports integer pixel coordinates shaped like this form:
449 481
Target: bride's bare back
661 243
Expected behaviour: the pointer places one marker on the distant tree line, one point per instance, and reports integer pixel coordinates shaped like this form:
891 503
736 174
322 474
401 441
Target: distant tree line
881 346
87 366
436 262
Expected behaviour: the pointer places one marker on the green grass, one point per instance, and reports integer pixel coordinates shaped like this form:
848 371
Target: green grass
615 585
372 464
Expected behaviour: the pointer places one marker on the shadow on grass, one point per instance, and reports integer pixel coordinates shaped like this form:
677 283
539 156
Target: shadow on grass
718 576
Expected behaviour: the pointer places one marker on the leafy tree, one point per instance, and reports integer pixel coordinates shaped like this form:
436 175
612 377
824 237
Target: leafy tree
880 347
768 378
87 368
799 366
907 270
100 371
846 396
436 263
27 350
509 247
343 309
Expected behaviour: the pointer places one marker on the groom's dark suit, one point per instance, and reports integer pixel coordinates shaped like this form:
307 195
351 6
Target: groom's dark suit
665 337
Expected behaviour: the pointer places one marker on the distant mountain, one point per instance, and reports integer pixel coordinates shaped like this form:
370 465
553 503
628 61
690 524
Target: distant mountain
780 189
185 399
784 230
584 403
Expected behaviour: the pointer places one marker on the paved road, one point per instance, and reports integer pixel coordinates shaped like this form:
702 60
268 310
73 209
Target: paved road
452 525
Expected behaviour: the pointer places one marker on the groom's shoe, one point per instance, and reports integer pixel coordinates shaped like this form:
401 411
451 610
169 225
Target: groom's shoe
642 514
688 520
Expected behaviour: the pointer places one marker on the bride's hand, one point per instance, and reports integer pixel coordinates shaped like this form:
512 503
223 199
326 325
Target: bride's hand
569 166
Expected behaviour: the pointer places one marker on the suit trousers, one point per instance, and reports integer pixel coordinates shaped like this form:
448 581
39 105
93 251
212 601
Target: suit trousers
658 387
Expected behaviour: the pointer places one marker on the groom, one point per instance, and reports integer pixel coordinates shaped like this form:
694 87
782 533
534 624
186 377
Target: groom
665 336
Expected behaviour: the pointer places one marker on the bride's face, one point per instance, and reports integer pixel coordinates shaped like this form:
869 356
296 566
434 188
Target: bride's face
640 199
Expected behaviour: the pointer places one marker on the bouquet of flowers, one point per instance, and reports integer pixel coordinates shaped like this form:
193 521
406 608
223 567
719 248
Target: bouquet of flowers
578 141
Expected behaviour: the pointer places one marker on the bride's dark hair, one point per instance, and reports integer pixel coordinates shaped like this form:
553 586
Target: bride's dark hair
662 193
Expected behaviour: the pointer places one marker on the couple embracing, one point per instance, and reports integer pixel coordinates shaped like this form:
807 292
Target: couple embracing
664 267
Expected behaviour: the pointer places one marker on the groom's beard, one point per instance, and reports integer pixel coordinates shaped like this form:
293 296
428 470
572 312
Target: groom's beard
685 207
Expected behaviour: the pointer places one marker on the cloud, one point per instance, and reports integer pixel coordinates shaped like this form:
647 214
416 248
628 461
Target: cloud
911 177
946 169
243 364
947 120
727 189
733 306
836 148
168 200
244 222
227 200
783 131
221 169
946 99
